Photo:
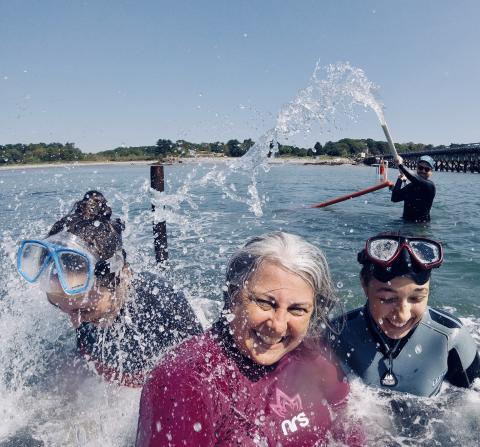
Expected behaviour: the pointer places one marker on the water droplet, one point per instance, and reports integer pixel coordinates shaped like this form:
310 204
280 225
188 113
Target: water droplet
197 426
418 349
339 284
96 223
229 317
158 426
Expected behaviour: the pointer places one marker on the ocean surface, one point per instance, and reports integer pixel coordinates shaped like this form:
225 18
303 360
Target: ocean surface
49 397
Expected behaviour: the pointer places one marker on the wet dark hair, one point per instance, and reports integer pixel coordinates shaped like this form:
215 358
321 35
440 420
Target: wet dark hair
404 265
90 219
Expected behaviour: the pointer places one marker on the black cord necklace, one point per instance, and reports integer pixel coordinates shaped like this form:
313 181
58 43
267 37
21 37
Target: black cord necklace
389 378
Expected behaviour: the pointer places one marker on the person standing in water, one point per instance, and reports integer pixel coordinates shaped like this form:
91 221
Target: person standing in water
396 341
124 320
418 195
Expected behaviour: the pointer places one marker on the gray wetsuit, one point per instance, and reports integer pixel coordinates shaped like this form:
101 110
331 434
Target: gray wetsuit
439 348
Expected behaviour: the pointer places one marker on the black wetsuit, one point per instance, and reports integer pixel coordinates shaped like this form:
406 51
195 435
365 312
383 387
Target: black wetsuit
154 318
417 196
438 349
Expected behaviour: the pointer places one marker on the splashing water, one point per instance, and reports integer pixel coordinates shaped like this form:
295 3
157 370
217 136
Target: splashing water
397 419
334 92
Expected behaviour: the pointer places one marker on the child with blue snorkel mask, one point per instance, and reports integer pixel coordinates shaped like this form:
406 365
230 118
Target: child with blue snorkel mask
396 341
124 321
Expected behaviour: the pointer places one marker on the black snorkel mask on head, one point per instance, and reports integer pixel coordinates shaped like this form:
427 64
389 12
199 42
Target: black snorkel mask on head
388 256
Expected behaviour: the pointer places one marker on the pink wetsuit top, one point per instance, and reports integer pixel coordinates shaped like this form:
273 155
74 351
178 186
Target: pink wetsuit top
206 393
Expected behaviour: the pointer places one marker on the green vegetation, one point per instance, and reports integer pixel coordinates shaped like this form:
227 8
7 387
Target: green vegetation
166 149
348 147
39 153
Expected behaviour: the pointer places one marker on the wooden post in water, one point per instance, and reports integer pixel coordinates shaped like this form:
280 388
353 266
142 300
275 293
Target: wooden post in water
159 228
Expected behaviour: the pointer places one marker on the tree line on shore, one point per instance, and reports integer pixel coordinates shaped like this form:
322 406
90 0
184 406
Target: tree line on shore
164 149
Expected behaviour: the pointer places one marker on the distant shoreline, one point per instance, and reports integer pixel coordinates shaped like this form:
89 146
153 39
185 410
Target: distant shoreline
74 164
274 161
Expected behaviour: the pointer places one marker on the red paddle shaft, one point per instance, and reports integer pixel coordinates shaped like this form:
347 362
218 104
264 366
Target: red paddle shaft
353 194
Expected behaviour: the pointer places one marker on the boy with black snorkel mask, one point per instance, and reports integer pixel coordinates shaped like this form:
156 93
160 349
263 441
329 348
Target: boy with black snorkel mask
396 341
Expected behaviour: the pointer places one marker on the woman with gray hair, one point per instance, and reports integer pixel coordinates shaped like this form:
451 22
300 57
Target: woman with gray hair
252 379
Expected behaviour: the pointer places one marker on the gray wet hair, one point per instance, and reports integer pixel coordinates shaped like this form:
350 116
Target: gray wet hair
294 254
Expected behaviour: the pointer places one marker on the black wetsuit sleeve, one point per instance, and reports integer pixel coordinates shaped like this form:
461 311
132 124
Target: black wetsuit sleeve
176 314
408 174
463 360
460 376
154 318
399 193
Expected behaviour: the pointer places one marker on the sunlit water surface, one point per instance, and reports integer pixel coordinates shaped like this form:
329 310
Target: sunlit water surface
49 396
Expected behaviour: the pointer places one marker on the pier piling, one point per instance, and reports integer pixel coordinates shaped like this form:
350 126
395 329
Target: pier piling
159 228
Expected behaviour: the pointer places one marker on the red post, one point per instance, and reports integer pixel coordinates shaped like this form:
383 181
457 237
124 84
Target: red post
159 228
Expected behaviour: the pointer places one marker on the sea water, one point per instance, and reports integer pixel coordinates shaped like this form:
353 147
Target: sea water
49 396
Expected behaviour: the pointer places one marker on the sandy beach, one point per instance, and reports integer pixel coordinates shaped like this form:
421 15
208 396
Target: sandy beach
195 160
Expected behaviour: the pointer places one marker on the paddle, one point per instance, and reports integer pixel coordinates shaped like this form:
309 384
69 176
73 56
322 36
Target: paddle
389 140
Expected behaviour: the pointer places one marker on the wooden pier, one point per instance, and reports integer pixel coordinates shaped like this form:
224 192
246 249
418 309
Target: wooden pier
456 158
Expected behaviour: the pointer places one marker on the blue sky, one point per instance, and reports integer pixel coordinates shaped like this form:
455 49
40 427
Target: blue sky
103 74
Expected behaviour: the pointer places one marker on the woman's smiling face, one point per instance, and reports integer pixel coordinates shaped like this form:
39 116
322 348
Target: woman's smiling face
397 306
272 314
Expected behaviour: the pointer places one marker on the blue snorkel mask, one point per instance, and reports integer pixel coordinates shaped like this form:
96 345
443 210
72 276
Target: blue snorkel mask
64 261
